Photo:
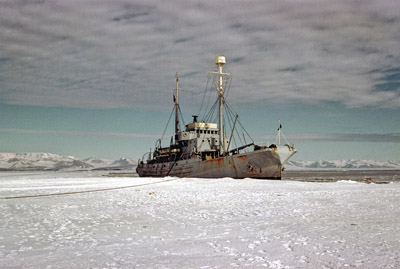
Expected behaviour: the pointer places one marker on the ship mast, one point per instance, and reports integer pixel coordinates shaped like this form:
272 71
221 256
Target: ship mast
176 100
220 62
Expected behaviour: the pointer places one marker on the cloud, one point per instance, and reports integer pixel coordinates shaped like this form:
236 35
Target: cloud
313 137
308 137
51 132
121 54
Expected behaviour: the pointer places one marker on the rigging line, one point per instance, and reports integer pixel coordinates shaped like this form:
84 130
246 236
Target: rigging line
234 141
214 112
243 127
211 111
214 83
240 139
287 142
230 117
172 112
230 125
205 91
87 191
284 137
208 101
176 159
183 121
237 130
228 85
246 131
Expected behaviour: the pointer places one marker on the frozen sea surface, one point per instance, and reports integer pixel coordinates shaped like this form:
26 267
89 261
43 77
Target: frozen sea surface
196 223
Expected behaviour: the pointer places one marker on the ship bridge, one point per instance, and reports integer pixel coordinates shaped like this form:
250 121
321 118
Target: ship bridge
200 137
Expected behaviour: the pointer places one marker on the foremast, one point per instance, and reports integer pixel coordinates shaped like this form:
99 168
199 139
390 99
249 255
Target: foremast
220 62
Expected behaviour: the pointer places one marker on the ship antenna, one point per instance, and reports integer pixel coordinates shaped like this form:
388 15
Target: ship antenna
176 100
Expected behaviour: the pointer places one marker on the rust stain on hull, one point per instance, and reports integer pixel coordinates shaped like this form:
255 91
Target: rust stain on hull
264 164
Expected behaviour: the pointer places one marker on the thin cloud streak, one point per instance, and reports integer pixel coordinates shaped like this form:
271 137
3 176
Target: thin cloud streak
51 132
312 137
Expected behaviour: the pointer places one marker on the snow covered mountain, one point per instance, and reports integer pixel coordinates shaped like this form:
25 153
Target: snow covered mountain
98 162
103 164
342 164
34 161
38 161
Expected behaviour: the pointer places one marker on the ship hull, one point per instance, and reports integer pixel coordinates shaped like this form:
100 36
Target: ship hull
263 164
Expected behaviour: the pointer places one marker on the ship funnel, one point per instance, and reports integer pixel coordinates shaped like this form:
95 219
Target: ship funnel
220 60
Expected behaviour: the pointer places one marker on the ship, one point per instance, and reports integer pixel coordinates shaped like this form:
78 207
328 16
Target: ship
205 149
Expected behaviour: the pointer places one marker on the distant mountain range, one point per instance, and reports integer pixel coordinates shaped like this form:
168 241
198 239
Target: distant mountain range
342 164
34 161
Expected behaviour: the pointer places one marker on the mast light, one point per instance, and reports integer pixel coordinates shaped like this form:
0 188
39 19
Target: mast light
220 60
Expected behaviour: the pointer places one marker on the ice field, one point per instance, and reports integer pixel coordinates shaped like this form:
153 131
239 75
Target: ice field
195 223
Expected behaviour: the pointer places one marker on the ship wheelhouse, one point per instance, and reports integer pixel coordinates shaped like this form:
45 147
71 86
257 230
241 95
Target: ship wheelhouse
200 140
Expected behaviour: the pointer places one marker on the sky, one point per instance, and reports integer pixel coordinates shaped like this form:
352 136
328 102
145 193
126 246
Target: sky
94 78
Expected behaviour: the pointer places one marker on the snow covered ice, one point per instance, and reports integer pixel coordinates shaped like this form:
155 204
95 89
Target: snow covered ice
196 223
